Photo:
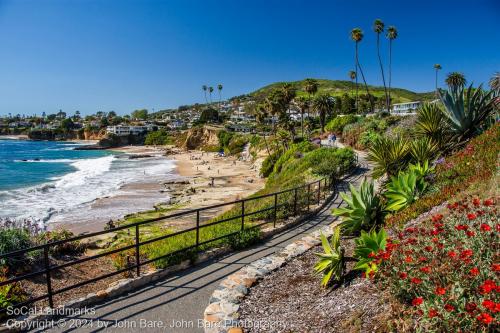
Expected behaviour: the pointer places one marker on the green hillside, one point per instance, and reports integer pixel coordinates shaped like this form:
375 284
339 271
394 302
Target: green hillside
339 87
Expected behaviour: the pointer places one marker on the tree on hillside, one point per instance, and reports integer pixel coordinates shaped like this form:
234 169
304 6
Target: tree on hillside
219 89
378 28
205 88
348 104
392 34
140 114
311 87
210 91
209 115
357 37
323 104
456 80
303 104
437 67
352 77
260 118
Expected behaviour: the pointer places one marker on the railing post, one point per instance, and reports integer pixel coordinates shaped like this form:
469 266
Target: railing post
308 196
319 191
47 274
242 215
137 254
275 209
295 202
197 228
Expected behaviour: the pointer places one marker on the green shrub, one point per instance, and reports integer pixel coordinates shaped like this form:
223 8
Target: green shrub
269 162
337 124
244 238
12 239
71 248
157 138
326 162
367 138
10 294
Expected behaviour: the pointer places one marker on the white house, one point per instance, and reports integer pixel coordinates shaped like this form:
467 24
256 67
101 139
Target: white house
127 130
409 107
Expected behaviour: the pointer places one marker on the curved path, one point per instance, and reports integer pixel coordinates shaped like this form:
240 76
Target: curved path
179 300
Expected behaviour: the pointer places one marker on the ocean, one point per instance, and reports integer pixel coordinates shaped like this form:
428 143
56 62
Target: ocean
49 181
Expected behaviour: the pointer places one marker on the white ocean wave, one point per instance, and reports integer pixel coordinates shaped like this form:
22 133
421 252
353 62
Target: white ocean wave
92 179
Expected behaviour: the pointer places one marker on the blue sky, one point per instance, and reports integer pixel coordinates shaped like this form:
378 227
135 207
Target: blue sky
92 55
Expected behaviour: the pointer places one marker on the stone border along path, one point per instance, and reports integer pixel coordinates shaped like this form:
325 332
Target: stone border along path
221 315
177 301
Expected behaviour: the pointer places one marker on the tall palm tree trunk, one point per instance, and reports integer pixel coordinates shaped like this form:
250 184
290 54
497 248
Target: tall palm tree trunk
437 92
390 74
382 71
364 80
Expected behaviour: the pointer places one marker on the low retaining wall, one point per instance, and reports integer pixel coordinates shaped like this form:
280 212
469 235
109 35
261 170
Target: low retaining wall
221 315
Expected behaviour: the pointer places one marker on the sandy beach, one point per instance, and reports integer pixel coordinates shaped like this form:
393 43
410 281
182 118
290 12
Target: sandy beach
188 186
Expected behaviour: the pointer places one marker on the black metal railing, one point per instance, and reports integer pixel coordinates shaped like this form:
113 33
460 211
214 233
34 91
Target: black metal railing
294 206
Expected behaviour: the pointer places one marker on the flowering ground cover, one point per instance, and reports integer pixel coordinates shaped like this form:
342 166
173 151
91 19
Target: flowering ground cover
475 164
447 268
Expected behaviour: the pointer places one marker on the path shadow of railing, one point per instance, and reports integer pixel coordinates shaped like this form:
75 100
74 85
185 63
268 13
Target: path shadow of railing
220 264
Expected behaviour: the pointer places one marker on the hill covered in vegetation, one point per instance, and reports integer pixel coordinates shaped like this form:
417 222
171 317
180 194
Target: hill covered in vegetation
340 87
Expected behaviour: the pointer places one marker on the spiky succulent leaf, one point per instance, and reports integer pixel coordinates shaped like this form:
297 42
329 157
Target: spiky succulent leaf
366 244
363 210
403 190
330 263
390 155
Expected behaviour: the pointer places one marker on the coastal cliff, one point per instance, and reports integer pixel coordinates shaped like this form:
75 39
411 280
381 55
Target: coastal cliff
198 137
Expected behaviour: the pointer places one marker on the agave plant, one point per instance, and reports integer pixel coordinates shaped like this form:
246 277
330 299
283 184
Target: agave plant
367 246
423 149
431 123
403 190
332 262
422 171
390 155
364 210
466 111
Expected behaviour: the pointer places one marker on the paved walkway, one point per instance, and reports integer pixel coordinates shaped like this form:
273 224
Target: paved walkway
181 299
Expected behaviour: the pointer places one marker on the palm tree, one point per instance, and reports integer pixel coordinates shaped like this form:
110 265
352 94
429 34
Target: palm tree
455 80
210 91
357 37
352 77
437 67
323 104
219 88
204 87
311 87
303 104
495 83
378 28
260 117
392 34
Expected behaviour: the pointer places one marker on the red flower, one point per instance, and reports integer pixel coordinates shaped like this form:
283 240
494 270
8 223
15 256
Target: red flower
470 233
474 271
428 248
371 274
449 307
465 254
371 255
489 304
403 275
408 259
487 287
410 230
488 202
452 254
476 202
416 280
437 218
461 227
422 259
495 267
425 269
485 227
417 301
433 313
440 291
471 216
470 307
485 318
